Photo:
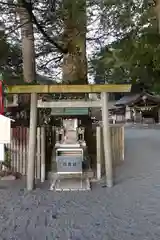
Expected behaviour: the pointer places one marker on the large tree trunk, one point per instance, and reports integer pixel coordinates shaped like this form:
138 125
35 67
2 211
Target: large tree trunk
28 50
157 12
28 55
75 62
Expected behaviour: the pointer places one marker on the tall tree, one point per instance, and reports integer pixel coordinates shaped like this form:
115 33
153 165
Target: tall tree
74 37
29 73
27 38
157 12
133 54
48 18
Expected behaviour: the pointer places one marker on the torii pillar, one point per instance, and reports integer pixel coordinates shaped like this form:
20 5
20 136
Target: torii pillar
107 140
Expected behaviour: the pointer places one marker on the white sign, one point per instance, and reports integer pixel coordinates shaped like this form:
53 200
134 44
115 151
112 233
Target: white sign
2 155
5 129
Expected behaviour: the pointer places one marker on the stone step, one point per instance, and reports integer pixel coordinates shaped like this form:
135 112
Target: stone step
72 184
87 174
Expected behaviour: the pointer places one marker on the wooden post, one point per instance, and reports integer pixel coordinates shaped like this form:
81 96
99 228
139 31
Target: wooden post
38 155
99 151
43 152
123 143
32 142
106 140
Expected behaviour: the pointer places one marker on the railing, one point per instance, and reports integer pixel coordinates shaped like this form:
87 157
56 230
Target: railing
117 144
117 147
18 150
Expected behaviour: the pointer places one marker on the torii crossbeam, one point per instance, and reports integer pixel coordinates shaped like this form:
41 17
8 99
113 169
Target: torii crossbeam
91 88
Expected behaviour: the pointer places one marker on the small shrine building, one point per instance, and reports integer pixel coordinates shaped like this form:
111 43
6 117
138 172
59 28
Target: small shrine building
137 107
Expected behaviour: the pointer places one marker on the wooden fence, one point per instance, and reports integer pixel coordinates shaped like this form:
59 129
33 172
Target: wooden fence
117 144
18 150
117 148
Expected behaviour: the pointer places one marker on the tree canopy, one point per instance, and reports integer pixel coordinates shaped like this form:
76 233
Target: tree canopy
122 38
134 53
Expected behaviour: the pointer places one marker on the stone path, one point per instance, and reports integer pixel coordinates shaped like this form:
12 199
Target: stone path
129 211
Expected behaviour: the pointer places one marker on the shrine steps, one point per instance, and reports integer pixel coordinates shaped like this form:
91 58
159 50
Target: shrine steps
71 182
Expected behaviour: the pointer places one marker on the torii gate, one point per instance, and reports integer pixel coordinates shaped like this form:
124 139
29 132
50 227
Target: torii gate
103 103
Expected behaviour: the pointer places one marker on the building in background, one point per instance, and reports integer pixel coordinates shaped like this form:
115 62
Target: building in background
139 106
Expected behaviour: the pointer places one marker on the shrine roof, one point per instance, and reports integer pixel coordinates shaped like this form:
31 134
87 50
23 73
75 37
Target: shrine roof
134 98
127 99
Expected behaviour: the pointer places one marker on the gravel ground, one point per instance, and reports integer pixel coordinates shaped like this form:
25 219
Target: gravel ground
129 211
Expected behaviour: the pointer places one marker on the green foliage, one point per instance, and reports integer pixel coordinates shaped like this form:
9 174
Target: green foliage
11 65
129 60
10 58
4 48
7 161
134 55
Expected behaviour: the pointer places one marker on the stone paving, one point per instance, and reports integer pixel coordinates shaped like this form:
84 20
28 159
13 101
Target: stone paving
128 211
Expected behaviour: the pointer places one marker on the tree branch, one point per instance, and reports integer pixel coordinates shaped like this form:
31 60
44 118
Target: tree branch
56 59
28 7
